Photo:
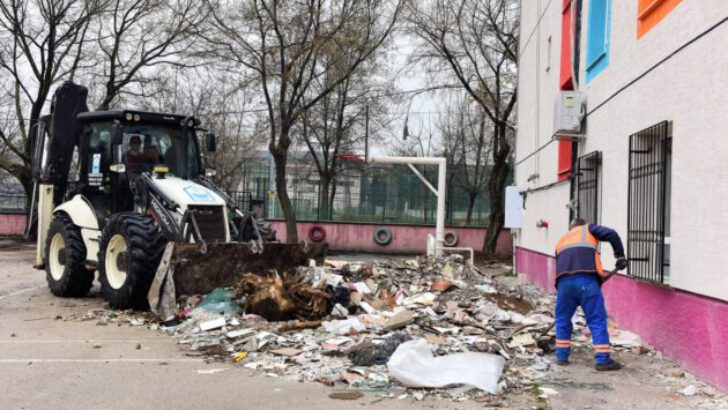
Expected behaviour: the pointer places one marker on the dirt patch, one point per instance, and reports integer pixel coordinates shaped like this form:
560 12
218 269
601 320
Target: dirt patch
506 302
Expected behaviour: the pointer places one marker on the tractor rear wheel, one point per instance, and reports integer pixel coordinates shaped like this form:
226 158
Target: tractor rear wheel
130 250
65 260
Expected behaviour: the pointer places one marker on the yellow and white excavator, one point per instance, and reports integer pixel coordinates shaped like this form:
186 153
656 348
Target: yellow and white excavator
114 189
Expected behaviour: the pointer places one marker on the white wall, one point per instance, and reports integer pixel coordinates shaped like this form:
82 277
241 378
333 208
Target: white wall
690 89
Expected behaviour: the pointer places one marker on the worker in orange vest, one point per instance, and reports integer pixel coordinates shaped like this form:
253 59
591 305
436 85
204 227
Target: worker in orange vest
579 276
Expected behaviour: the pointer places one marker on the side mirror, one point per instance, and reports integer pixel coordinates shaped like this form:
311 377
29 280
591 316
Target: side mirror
210 142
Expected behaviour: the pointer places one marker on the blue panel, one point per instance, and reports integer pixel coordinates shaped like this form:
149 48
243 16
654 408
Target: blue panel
597 42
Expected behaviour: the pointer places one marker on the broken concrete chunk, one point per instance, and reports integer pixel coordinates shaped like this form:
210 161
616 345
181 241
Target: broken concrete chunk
240 333
425 299
212 324
399 320
441 285
286 351
447 271
524 339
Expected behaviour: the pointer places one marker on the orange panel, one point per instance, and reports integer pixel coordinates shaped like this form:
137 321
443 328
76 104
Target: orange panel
650 12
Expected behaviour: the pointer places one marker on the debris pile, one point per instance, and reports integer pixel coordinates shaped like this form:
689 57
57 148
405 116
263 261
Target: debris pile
415 328
408 328
342 324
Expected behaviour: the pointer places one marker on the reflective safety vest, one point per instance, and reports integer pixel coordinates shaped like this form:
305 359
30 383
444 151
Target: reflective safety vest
577 252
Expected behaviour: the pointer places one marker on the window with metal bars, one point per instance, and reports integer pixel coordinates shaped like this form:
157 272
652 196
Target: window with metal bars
648 220
587 189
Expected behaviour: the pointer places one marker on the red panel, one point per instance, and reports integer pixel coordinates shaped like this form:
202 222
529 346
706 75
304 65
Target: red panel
565 78
564 159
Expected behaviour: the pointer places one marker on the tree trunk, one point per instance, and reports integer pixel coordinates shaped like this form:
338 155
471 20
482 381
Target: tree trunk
331 198
324 187
471 205
280 159
496 189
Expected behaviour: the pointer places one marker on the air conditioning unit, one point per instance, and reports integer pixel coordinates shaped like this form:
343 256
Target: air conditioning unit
568 112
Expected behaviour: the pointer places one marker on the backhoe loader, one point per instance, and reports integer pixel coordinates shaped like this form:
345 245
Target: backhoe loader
114 189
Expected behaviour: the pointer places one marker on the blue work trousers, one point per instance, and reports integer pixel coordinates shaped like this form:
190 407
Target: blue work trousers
584 291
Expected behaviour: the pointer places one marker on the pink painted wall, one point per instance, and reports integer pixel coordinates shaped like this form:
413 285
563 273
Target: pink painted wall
687 327
12 224
405 239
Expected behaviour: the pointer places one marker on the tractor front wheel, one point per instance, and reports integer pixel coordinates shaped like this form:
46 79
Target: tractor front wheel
129 253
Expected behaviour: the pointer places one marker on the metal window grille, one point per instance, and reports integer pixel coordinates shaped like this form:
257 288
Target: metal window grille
587 187
648 187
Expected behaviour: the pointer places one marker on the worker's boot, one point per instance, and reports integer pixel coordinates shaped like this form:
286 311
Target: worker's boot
611 365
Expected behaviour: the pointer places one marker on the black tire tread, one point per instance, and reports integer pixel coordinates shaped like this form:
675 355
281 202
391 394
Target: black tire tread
145 244
77 279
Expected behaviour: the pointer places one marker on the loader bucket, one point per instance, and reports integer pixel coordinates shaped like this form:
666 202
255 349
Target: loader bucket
185 270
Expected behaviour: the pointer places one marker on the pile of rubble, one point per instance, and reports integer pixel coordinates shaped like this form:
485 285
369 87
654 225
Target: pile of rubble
342 323
428 324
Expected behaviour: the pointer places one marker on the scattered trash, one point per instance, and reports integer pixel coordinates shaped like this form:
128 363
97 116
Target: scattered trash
344 327
212 324
210 371
414 365
369 354
625 338
524 339
689 391
424 327
287 351
220 301
399 320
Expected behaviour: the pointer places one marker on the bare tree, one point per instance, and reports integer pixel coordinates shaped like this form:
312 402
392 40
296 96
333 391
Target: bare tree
466 135
41 42
337 124
477 41
135 38
223 106
282 43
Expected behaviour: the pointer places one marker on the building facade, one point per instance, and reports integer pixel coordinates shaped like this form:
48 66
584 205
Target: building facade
650 160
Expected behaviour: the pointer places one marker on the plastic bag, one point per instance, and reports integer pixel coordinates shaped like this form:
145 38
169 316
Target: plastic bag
414 366
344 327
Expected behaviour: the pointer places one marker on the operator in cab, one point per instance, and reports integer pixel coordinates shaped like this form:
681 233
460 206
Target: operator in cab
138 160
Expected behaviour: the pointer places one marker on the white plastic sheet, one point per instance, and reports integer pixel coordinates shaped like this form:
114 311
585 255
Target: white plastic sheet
344 327
414 366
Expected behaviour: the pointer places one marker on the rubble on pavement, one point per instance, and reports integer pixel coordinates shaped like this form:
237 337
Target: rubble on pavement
340 324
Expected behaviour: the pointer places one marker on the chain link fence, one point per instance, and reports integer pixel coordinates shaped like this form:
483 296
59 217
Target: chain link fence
388 194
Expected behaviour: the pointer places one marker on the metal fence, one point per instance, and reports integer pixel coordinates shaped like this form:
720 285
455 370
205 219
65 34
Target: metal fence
12 203
377 194
648 218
